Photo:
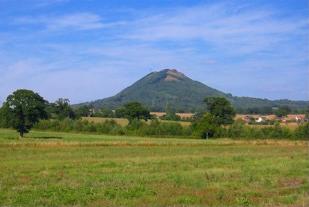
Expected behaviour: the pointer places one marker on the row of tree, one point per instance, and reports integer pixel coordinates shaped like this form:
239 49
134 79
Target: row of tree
280 111
24 108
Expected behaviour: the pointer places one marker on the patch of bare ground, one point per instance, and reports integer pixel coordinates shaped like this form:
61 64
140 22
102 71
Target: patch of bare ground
291 183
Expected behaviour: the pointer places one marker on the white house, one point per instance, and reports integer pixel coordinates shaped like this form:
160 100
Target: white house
259 120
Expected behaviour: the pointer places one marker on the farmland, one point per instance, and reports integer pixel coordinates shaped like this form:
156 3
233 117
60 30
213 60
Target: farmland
125 122
66 169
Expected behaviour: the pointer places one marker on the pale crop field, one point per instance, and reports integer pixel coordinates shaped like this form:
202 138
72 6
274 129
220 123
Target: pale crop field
124 122
66 169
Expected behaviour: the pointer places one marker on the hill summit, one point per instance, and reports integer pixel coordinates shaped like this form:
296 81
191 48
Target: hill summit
173 75
159 89
169 87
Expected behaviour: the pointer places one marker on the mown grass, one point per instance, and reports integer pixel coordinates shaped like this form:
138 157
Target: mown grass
65 169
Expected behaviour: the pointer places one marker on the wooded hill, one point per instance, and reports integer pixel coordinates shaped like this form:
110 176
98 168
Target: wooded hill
170 88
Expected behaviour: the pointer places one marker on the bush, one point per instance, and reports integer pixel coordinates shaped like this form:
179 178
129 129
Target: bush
156 128
237 129
136 127
240 130
67 125
205 126
302 131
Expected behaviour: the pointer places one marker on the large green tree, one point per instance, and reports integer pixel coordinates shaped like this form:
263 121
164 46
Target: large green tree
134 110
206 126
62 109
84 111
221 109
282 111
23 109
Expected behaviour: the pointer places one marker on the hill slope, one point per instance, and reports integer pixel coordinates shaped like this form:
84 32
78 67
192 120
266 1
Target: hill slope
170 87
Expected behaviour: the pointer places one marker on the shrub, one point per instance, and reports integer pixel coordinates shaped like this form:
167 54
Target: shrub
156 128
237 129
207 127
136 127
302 131
202 128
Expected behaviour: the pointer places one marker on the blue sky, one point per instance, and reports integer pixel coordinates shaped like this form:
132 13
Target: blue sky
90 49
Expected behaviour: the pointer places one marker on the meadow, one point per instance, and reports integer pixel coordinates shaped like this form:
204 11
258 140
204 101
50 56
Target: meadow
67 169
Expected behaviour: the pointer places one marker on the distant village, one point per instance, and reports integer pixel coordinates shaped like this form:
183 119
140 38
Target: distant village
260 119
250 118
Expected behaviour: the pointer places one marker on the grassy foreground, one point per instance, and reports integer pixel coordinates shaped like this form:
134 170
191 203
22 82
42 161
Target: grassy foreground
63 169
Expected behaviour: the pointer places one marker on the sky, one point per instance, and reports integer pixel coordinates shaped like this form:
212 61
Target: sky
91 49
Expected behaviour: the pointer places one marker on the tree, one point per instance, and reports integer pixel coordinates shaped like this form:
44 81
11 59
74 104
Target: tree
84 111
221 109
282 111
206 127
307 114
134 110
106 112
170 114
62 109
3 119
23 109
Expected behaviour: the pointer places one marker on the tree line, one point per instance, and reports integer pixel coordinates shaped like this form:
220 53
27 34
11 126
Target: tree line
25 109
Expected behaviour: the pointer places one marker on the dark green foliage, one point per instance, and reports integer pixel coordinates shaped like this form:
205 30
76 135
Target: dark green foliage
160 129
307 114
206 127
23 109
221 109
61 109
266 110
135 124
106 112
3 119
135 128
237 130
70 125
83 111
171 87
282 111
134 110
120 112
171 117
155 91
302 131
170 114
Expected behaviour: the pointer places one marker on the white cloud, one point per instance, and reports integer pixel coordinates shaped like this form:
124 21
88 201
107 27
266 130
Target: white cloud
79 21
75 21
44 3
232 48
231 28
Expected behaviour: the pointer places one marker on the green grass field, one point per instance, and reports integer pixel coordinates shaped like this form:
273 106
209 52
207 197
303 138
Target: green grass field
63 169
